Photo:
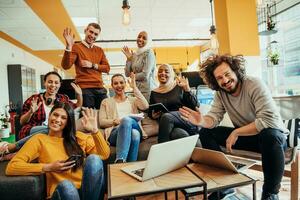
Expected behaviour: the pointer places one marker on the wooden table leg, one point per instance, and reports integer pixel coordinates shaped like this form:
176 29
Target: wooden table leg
166 195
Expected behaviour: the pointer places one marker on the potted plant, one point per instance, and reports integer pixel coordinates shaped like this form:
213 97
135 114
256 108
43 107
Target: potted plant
4 126
270 24
273 57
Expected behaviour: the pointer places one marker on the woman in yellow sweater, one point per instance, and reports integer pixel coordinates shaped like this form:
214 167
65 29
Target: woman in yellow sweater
76 179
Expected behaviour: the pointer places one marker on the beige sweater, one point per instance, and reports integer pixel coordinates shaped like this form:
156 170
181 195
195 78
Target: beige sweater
108 111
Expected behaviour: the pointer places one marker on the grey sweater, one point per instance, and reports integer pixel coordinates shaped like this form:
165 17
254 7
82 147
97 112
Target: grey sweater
254 104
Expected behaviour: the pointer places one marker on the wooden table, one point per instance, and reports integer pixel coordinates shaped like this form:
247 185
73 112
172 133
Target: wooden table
121 185
218 179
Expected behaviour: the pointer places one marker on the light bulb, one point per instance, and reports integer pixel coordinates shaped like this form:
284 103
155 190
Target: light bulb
259 3
126 17
214 43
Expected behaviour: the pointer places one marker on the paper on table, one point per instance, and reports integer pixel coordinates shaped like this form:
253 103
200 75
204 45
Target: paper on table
137 117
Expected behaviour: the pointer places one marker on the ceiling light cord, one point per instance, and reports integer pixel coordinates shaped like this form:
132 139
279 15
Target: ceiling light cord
212 13
214 43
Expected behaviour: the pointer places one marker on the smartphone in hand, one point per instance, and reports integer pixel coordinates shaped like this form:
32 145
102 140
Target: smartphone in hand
73 157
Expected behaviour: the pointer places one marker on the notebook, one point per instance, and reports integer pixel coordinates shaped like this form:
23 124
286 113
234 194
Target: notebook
163 158
157 107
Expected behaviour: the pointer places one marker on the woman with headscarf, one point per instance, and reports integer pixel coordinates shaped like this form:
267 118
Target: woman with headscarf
173 94
142 63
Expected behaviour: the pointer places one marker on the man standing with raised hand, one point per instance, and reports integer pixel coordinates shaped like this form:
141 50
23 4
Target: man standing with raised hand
90 62
257 123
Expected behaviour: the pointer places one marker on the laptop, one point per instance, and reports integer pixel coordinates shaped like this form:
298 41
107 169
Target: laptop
220 160
163 158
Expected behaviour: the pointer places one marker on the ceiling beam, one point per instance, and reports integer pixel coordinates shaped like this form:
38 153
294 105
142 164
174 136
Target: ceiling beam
53 57
54 15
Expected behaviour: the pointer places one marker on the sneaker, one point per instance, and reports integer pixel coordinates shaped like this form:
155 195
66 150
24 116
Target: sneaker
269 196
223 194
3 150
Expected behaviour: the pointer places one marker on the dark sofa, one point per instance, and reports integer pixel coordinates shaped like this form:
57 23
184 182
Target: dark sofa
21 187
34 187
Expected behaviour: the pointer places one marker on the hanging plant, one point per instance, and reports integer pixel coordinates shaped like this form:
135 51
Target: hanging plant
273 57
4 121
270 24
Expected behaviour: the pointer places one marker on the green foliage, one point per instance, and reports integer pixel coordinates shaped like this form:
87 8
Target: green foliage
4 120
270 24
274 57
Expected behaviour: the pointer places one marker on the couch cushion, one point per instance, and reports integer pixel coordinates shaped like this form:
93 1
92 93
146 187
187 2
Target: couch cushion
21 187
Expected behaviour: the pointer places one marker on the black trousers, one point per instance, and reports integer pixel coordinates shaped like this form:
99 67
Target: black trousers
270 142
92 97
172 126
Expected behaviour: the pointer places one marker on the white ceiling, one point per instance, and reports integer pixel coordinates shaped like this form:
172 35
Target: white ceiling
21 23
162 19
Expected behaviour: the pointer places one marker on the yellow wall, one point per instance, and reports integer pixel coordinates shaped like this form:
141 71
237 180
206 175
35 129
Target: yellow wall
237 30
179 57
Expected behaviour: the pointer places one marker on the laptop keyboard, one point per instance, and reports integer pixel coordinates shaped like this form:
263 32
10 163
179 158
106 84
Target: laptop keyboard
139 172
238 165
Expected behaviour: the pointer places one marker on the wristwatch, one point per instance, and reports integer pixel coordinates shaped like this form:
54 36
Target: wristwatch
94 66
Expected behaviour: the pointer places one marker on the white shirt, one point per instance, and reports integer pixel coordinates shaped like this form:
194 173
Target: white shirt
47 112
123 108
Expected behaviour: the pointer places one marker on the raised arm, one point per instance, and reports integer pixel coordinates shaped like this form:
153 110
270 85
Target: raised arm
189 99
78 92
30 106
140 100
99 144
69 57
128 53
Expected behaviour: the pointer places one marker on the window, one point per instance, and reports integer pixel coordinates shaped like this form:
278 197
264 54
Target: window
285 77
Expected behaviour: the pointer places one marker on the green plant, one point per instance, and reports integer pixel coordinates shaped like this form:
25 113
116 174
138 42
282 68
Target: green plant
270 24
4 120
274 57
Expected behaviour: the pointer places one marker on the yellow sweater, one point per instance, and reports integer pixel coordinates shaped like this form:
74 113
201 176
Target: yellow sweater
49 149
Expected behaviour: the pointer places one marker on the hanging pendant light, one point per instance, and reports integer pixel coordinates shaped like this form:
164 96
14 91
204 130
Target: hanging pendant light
126 13
214 43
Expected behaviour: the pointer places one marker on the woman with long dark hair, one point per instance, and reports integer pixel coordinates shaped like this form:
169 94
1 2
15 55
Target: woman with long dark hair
80 176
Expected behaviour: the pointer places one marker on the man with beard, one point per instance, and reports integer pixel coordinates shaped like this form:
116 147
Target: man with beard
257 123
90 62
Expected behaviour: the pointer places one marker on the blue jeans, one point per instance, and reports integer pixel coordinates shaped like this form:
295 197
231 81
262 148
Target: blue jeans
34 130
92 185
126 137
